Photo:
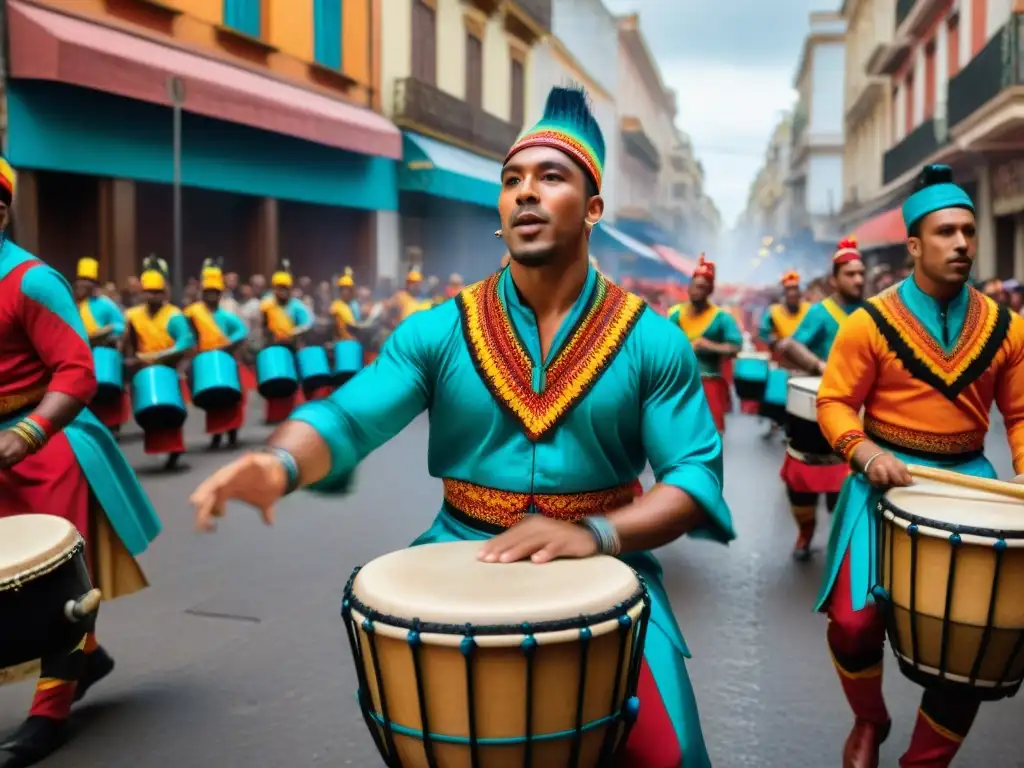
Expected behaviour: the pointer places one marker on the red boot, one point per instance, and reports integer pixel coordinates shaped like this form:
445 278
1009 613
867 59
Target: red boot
861 750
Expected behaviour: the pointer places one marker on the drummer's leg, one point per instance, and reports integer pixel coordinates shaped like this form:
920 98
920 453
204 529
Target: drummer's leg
165 441
804 507
942 724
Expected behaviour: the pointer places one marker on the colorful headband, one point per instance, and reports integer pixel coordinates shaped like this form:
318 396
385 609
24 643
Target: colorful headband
569 126
704 268
846 252
936 191
791 279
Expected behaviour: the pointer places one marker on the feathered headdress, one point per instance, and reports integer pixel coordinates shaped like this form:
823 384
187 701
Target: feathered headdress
282 277
791 279
846 251
569 126
704 268
154 274
935 190
347 280
212 276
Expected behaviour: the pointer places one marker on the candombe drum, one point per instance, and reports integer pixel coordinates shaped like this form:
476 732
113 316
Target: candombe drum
805 436
348 360
314 369
776 394
47 602
156 398
750 373
276 376
109 365
464 663
215 380
951 579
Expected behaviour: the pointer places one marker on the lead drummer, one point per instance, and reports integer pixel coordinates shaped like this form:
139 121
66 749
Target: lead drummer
807 476
549 388
56 458
925 359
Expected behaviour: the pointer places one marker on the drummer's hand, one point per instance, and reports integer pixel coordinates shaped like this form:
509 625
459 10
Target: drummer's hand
699 343
257 479
820 367
540 539
1019 479
887 472
13 448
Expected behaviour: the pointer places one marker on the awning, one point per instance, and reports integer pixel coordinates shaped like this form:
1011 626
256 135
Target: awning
621 241
882 230
435 168
676 260
45 45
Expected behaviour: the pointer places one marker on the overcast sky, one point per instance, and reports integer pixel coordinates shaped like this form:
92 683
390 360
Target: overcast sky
732 63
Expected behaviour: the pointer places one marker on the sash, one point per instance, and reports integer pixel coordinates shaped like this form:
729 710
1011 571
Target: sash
210 334
838 313
695 326
786 322
151 331
279 322
88 319
344 317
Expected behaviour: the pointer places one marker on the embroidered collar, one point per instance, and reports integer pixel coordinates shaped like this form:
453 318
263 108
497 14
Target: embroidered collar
943 321
605 319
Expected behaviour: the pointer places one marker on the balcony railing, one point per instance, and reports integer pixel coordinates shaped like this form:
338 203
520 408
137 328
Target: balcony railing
639 144
903 9
996 67
420 105
916 147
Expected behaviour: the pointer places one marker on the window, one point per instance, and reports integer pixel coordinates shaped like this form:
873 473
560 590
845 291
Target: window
424 42
518 111
243 16
327 33
680 190
474 70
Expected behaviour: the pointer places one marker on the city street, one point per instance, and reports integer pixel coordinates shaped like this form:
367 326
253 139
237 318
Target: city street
236 657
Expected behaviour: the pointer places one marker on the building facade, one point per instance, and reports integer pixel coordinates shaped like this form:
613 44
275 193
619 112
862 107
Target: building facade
816 161
693 218
281 152
768 211
455 78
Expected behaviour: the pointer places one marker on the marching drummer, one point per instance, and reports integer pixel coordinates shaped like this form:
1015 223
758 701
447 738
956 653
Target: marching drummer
925 359
285 320
554 463
104 323
714 336
806 476
782 319
157 333
344 309
218 329
56 458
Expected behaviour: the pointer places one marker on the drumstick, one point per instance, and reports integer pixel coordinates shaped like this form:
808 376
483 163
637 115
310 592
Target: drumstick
1010 490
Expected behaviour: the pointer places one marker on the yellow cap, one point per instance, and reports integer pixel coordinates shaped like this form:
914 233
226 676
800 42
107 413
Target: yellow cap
88 269
213 279
281 280
346 280
414 276
153 280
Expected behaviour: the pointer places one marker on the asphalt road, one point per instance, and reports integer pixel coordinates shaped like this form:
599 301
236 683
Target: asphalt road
236 655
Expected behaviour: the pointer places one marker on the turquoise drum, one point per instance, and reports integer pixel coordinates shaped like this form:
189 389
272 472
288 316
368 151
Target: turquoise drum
776 392
109 365
314 370
750 373
348 360
276 376
215 380
156 398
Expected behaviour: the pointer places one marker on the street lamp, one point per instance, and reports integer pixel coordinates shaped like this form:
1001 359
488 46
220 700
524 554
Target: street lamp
176 90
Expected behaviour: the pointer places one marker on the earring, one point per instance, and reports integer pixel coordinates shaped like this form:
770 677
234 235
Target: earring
497 233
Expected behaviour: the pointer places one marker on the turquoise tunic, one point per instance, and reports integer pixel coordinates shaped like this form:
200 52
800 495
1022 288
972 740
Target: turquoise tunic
855 520
106 312
722 330
648 405
110 478
818 329
230 324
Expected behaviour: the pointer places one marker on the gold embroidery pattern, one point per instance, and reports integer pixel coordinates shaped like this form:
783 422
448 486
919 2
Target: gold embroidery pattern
507 370
847 442
20 400
506 508
926 442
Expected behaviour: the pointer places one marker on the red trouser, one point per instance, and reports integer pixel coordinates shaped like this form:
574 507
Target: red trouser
857 640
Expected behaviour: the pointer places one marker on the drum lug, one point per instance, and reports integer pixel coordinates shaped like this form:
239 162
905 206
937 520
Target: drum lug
83 607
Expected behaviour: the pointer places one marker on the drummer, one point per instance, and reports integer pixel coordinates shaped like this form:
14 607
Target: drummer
285 320
410 299
344 309
56 458
503 449
782 318
925 360
158 334
217 328
104 323
714 336
807 476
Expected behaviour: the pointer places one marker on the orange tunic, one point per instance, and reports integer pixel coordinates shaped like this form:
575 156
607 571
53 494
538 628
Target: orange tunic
917 397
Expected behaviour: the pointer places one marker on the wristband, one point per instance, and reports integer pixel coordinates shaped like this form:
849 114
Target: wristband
44 424
290 465
30 432
867 464
604 533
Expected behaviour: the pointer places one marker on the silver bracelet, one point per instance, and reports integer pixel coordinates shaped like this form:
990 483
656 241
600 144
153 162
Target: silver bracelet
867 464
604 533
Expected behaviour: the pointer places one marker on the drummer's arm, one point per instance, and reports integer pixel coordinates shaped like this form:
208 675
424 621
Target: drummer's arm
328 438
730 338
234 329
180 329
766 332
684 450
114 320
796 349
851 372
49 316
1010 394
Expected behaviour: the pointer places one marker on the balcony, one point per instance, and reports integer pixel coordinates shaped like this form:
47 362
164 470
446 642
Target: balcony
528 20
903 9
423 108
915 17
912 152
862 97
993 78
639 144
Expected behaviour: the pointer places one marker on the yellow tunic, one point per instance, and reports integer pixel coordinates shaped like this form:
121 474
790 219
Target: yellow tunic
153 333
344 317
785 322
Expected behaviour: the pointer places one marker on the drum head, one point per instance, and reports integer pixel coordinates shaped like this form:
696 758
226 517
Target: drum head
445 583
29 541
808 384
963 508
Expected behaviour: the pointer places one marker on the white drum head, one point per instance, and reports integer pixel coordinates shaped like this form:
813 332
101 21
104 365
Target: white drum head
802 397
953 505
30 541
445 583
754 356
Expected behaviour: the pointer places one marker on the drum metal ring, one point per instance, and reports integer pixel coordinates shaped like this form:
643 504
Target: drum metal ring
19 580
